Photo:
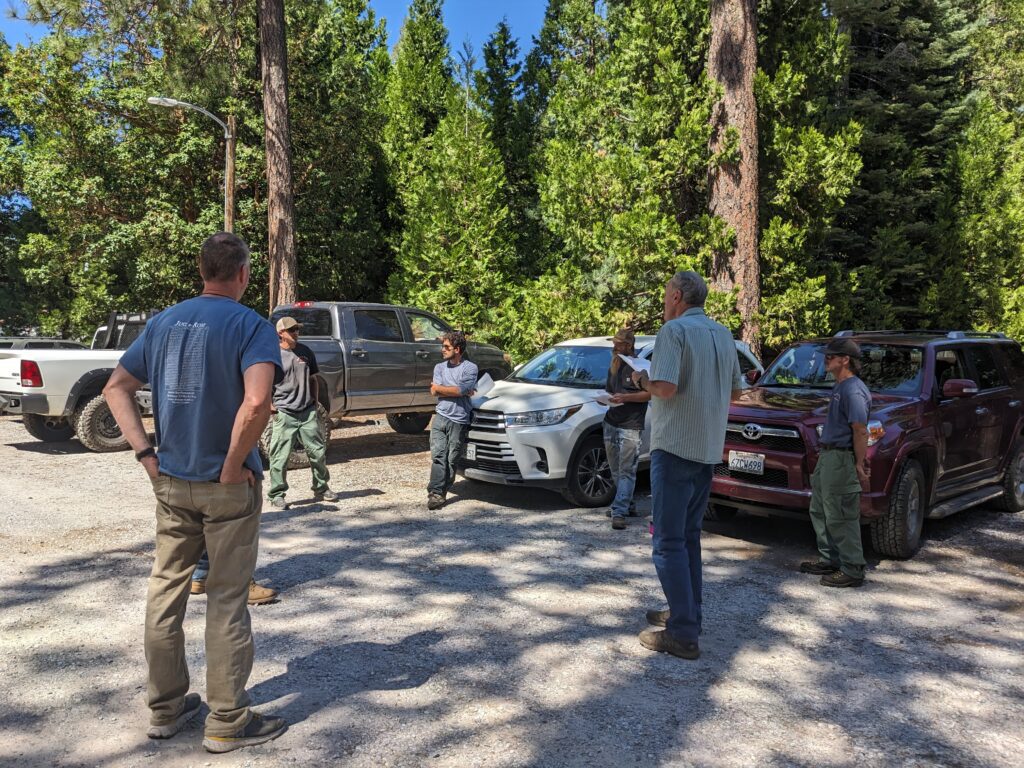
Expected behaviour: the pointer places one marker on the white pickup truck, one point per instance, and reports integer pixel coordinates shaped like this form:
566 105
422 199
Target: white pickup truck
59 392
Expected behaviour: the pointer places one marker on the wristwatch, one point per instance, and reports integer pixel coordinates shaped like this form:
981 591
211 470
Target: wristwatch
150 451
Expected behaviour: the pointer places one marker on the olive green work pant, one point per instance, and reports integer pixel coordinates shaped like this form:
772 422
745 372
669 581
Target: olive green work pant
307 426
225 519
835 512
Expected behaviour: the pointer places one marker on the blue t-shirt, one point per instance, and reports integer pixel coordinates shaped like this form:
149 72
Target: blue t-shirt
194 356
463 376
850 404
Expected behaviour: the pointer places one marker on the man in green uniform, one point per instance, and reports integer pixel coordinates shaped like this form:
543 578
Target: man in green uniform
295 414
842 471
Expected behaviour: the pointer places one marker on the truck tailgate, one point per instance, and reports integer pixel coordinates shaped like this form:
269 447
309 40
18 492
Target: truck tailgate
10 371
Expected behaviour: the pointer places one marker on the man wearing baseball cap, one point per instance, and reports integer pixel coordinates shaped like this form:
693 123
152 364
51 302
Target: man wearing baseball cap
295 399
841 472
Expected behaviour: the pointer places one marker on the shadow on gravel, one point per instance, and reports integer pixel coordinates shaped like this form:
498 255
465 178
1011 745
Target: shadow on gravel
810 676
64 448
375 445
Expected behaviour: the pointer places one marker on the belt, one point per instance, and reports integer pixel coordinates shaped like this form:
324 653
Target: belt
826 447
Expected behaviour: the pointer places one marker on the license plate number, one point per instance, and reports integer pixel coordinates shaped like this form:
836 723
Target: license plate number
751 463
471 452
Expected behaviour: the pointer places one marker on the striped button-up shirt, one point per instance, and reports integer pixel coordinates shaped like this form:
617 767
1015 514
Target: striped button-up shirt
698 355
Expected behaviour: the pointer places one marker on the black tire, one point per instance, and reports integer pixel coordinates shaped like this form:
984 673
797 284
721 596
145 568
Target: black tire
298 458
96 427
1013 482
49 429
719 513
589 476
898 532
409 423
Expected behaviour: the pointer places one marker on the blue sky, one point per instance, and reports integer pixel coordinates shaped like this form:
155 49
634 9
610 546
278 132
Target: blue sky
474 19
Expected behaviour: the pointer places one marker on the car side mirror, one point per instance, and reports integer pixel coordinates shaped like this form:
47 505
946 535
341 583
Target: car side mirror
752 376
959 388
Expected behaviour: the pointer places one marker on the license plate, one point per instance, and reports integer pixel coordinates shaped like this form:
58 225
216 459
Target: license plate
751 463
471 452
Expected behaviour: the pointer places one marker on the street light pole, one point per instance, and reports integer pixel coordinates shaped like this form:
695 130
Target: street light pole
229 153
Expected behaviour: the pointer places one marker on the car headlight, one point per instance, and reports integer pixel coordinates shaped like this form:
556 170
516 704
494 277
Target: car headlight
540 418
875 431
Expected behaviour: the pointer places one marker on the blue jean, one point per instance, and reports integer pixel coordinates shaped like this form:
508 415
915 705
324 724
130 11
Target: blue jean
679 490
202 569
622 446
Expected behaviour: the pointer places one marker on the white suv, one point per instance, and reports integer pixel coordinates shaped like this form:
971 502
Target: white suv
542 425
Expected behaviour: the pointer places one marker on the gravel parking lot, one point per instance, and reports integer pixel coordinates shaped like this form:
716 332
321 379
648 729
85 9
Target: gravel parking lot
501 630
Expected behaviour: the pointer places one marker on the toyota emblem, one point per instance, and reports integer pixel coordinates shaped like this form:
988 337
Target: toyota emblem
752 431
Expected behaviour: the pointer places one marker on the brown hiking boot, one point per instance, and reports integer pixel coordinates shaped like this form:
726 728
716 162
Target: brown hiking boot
619 523
189 709
840 579
435 501
660 640
817 567
260 595
658 618
261 729
198 586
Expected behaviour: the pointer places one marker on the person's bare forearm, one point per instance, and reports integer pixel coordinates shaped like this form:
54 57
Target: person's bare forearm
860 444
120 396
635 397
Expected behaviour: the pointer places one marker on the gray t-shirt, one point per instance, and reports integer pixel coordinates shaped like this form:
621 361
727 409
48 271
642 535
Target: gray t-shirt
850 404
463 376
294 394
698 355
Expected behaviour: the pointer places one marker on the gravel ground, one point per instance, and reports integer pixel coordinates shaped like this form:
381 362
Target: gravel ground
501 630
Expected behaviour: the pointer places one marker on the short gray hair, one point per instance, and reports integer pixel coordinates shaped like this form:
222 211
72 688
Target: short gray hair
692 287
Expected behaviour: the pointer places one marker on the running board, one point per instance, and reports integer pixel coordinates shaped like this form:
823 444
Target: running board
968 500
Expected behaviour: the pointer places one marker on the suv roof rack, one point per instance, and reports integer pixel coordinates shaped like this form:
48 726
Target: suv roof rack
928 332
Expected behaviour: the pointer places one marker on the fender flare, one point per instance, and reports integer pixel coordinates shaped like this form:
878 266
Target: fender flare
87 381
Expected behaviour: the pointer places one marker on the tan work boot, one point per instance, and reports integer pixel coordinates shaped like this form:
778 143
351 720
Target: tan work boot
198 586
260 595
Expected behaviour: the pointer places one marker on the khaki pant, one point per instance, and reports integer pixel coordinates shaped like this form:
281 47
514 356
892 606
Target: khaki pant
226 519
835 512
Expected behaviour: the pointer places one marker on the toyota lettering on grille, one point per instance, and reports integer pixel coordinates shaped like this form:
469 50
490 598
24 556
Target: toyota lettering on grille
752 431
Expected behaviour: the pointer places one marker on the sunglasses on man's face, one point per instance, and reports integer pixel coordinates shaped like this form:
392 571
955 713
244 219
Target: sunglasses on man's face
447 346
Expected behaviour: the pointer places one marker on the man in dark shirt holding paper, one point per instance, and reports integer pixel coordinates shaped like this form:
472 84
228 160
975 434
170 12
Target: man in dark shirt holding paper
454 381
842 472
623 426
295 399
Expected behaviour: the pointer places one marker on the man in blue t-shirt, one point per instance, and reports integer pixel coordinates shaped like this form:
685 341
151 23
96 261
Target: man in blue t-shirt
211 364
454 381
842 472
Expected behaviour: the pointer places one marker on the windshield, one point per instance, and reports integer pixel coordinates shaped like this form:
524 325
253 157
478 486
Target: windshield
585 367
885 368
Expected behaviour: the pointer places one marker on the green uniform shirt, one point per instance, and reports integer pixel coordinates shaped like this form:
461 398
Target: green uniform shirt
698 355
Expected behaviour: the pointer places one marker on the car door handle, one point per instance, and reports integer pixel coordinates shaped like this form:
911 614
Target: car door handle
980 411
358 352
1015 403
422 354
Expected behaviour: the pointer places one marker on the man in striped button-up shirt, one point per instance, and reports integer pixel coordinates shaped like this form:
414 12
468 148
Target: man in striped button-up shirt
694 375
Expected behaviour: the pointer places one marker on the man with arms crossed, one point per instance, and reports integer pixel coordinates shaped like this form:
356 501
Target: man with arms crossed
842 470
211 363
694 375
454 381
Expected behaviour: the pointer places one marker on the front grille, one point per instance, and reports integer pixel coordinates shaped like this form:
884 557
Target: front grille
772 478
489 465
491 422
772 438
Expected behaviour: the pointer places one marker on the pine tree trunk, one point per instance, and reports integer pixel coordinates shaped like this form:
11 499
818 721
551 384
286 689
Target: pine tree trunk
280 195
732 62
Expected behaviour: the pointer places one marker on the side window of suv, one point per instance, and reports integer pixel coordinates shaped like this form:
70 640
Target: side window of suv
1014 358
949 364
986 369
425 328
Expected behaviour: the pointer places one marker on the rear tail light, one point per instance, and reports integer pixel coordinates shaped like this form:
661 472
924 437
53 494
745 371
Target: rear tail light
303 304
30 374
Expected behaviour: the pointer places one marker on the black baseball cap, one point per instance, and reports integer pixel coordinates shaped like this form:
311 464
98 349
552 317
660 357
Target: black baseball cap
847 347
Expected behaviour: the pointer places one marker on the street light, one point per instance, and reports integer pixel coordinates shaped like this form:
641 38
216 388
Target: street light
229 152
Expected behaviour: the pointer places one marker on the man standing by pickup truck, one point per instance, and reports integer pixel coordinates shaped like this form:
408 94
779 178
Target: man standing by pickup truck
295 399
694 375
211 363
454 381
841 472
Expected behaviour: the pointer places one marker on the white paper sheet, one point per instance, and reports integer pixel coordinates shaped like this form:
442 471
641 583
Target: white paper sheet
604 399
637 363
484 385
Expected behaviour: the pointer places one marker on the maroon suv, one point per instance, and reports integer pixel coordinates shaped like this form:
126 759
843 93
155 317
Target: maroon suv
945 431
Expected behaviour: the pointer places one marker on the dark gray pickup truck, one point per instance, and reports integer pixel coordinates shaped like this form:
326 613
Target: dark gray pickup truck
378 358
